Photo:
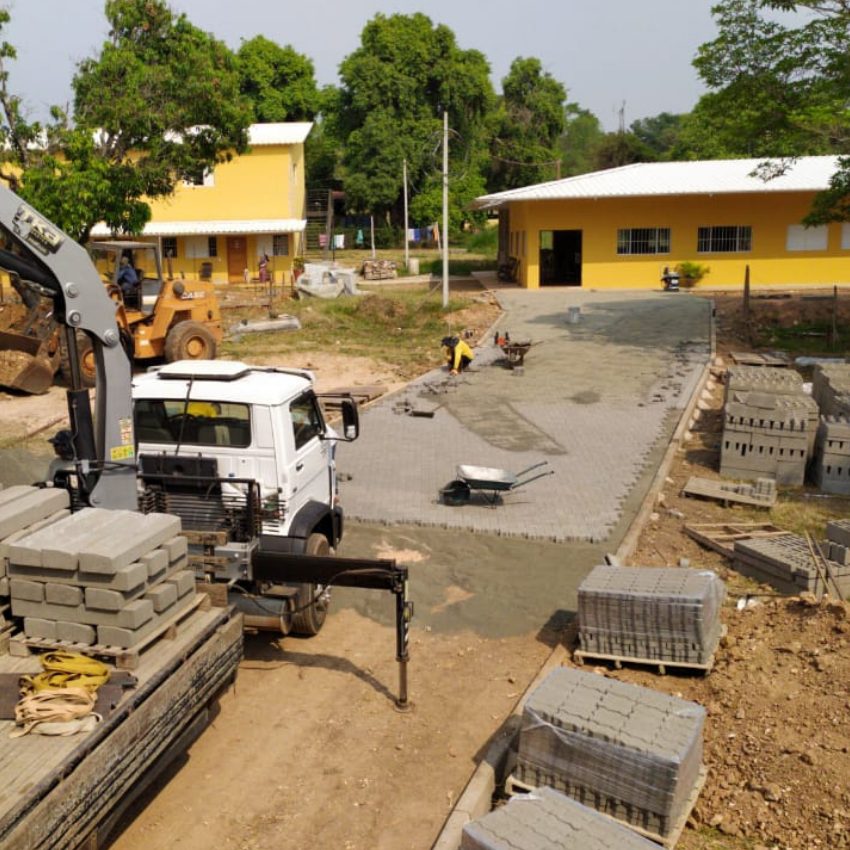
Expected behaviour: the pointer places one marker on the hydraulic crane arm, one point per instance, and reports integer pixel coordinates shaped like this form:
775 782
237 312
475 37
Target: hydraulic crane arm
61 268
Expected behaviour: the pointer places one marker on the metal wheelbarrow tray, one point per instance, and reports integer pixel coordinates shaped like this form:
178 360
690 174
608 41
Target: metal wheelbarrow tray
491 482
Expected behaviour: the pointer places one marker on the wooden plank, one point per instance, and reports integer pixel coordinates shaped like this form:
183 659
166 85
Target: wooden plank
722 491
721 537
69 803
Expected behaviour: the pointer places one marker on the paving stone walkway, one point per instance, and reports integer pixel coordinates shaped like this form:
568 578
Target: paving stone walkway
593 400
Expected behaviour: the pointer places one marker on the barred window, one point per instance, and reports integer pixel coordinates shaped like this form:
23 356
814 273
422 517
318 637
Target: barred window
280 245
724 240
643 240
169 246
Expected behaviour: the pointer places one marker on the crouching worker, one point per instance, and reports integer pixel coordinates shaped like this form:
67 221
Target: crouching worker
458 354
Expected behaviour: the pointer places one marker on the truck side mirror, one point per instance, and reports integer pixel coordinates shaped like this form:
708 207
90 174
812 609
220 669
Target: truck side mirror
350 419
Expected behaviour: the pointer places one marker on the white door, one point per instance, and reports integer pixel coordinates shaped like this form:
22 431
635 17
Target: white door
311 475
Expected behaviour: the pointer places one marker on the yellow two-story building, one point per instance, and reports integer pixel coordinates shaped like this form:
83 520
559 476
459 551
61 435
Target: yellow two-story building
621 228
222 225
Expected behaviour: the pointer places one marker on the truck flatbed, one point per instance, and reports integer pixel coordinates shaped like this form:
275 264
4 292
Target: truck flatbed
63 792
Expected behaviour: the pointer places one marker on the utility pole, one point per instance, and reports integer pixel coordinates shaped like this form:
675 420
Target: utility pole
445 208
406 232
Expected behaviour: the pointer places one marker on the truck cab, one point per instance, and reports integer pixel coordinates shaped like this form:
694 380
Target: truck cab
244 456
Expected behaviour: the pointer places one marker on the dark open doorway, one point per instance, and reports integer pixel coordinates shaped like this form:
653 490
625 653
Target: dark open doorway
560 257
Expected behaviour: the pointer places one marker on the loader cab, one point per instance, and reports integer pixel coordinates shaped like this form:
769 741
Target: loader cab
144 257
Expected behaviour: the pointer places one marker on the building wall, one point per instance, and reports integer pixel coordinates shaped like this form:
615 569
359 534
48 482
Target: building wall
769 215
266 183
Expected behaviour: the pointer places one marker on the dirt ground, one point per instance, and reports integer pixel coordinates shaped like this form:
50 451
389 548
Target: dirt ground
307 750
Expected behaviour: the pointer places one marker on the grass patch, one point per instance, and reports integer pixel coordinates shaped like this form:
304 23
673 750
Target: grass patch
399 326
814 337
459 267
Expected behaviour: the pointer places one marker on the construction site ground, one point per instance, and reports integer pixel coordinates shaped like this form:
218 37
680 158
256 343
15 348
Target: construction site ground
307 749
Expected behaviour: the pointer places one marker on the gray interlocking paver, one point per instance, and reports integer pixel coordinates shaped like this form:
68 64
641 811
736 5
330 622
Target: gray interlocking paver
594 399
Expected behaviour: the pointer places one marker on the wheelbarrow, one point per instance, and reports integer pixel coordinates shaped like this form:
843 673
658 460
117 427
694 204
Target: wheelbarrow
515 352
490 482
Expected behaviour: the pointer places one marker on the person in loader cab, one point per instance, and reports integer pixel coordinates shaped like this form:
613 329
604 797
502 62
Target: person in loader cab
458 354
128 280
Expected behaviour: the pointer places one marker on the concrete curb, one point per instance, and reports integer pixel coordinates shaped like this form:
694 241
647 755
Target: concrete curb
477 795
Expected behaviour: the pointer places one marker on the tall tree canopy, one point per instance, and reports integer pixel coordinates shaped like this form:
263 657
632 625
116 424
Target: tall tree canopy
531 121
160 102
279 82
578 143
394 90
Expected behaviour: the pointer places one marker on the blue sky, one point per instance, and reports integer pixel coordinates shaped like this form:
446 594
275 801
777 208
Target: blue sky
606 53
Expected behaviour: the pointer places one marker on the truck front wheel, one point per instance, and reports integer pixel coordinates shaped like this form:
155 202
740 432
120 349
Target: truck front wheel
310 619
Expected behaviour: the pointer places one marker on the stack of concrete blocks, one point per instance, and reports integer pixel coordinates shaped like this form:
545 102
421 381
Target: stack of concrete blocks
786 563
629 752
651 613
545 819
100 577
763 379
768 434
831 388
831 469
24 509
838 546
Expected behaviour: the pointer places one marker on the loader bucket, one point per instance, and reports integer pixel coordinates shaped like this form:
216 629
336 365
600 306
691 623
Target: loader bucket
24 364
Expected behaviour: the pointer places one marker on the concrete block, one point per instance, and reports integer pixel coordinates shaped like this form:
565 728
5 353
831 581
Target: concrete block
155 561
63 594
136 614
177 547
76 632
36 627
28 505
127 638
92 526
30 591
184 581
4 586
163 596
140 534
102 599
130 580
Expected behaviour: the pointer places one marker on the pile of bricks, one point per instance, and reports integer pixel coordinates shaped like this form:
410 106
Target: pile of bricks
831 470
786 563
657 613
102 577
772 380
831 388
768 434
629 752
544 819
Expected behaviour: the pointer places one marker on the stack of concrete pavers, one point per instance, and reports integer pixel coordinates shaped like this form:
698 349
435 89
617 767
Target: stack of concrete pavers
831 469
25 509
652 613
102 577
786 563
838 544
630 752
763 379
831 388
768 434
545 819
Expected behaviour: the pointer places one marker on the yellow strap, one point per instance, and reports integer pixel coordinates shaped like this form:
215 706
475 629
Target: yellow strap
67 670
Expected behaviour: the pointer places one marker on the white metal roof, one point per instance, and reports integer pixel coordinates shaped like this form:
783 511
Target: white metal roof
225 381
214 227
704 177
280 133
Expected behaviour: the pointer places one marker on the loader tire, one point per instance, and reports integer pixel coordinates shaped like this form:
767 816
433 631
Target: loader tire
310 620
189 341
85 354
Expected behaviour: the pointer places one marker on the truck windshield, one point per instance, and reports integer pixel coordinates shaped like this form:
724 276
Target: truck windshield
199 423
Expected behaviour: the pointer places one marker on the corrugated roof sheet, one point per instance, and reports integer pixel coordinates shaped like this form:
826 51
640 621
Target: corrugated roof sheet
704 177
232 227
281 133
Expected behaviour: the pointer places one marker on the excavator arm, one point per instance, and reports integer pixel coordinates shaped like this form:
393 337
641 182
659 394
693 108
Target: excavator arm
103 447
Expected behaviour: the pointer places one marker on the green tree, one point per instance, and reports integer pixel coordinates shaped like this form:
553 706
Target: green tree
531 121
660 133
394 90
621 148
159 103
578 143
279 82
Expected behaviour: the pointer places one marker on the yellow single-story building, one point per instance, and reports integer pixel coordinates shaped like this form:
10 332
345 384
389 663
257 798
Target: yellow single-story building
220 226
621 228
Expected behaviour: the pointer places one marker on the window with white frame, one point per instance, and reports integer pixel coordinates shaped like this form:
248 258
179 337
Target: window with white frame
724 239
801 238
643 240
204 178
201 247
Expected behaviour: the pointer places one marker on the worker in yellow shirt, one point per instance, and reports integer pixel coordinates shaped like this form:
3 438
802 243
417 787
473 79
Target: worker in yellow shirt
457 353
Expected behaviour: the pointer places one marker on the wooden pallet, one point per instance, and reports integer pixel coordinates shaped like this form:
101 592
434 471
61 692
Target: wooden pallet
708 488
514 786
581 655
751 358
721 536
123 658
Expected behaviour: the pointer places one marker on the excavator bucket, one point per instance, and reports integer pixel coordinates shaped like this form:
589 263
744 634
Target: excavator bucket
24 363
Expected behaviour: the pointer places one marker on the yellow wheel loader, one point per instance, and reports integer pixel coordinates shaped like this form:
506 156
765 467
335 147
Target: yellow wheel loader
170 319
